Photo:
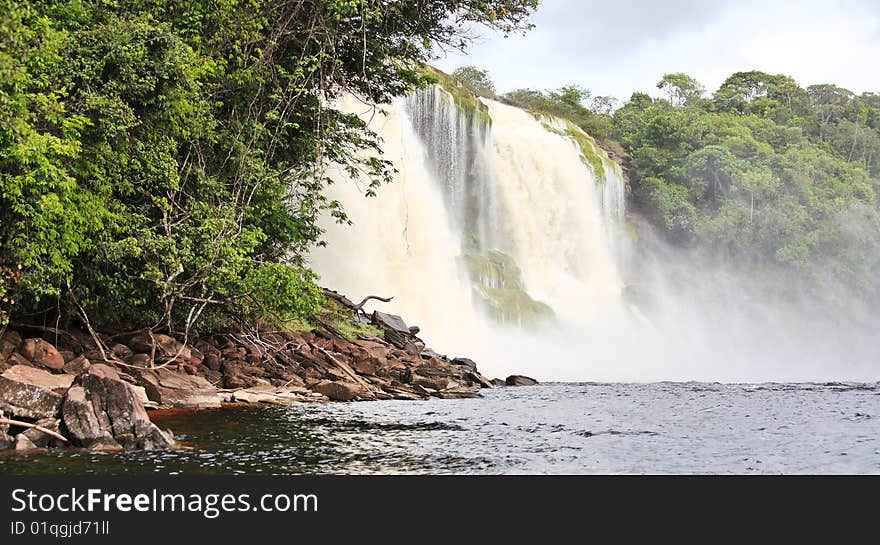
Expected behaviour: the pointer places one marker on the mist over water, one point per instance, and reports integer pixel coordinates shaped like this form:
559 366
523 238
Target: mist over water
489 222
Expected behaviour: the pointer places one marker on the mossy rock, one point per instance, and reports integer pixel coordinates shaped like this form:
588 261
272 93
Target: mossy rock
497 282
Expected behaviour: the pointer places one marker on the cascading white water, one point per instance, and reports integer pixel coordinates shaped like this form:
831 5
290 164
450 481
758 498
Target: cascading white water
501 238
466 188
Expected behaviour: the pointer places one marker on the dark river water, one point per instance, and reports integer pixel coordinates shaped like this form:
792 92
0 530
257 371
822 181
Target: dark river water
554 428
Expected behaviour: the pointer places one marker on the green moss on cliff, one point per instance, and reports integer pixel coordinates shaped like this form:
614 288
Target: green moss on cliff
498 283
462 98
591 154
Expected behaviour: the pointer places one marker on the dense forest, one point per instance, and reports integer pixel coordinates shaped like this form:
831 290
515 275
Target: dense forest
763 173
162 163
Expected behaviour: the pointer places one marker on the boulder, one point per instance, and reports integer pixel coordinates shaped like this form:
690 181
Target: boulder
520 380
498 383
467 363
391 322
119 411
166 347
41 352
82 425
38 377
173 389
25 400
338 390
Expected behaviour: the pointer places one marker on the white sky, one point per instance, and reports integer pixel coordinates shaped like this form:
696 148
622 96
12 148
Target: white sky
617 47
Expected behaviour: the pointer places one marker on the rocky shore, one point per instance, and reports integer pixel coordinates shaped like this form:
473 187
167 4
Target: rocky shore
62 388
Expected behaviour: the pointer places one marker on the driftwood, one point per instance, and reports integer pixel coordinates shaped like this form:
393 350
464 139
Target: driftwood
346 302
360 305
36 427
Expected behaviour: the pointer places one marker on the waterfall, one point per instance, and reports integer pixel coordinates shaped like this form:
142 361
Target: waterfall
497 230
503 238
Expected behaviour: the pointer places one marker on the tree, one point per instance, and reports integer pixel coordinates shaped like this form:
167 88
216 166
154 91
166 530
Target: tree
476 80
681 88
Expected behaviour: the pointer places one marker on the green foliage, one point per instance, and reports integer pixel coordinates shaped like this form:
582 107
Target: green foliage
568 102
162 163
476 80
765 172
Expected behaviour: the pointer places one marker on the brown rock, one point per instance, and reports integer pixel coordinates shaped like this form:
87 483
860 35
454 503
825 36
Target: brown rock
166 347
82 425
119 411
338 390
434 383
41 352
77 365
68 355
25 400
38 377
520 380
467 363
390 322
174 389
479 379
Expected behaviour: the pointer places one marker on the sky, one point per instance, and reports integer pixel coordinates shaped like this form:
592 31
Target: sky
617 47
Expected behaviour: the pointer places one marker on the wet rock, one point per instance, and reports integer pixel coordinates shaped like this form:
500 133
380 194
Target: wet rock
338 390
41 352
119 411
38 377
25 400
520 380
81 424
173 389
